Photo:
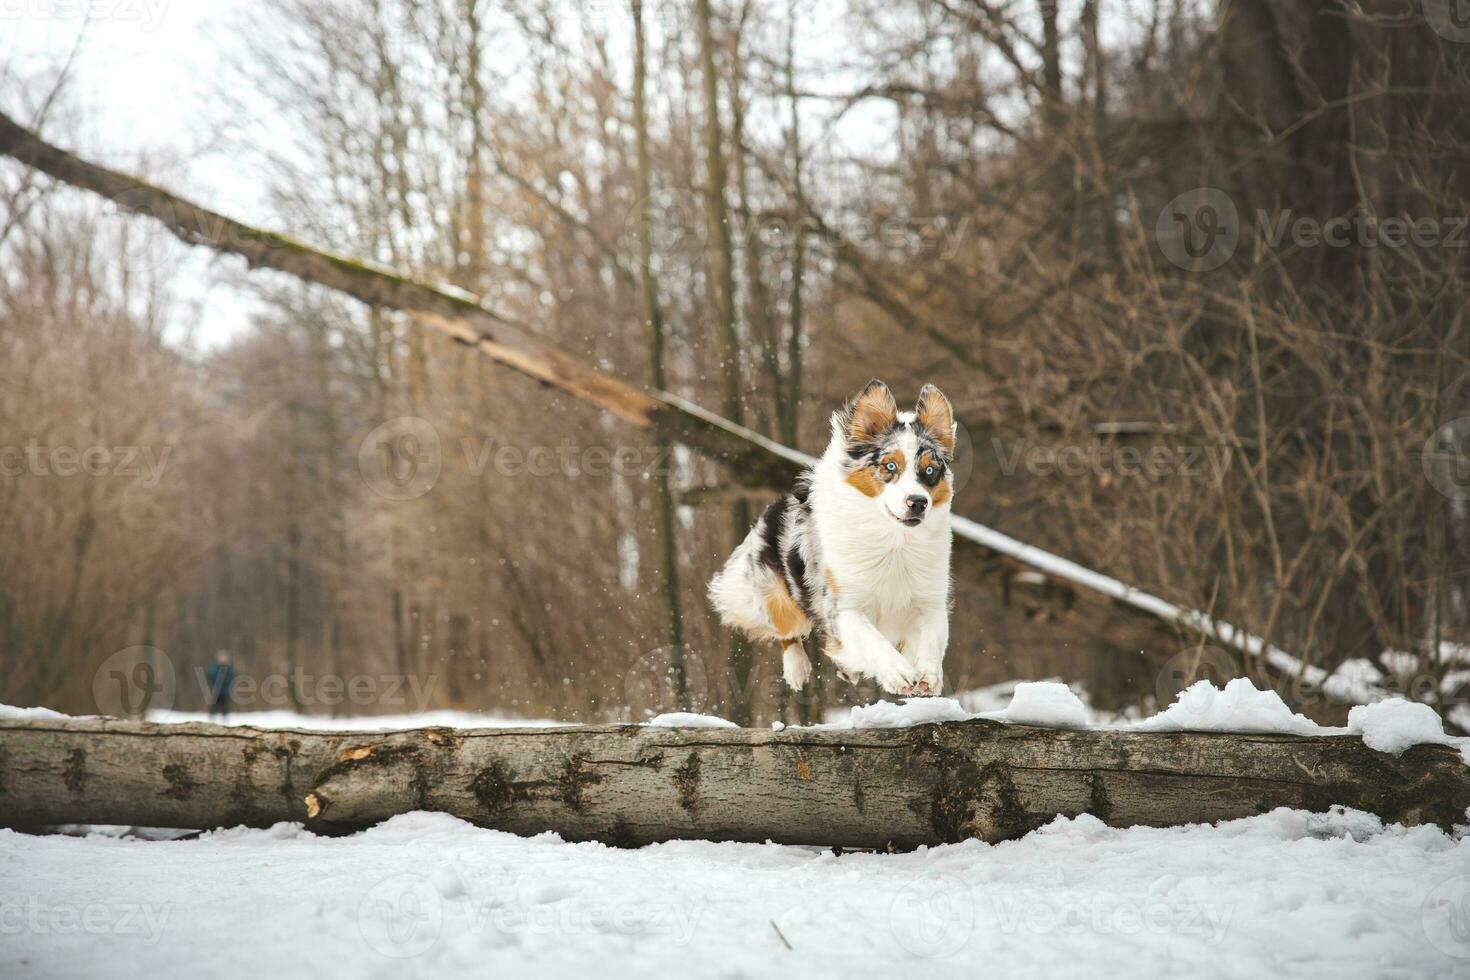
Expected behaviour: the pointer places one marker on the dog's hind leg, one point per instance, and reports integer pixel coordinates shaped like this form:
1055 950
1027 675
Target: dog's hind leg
796 666
790 624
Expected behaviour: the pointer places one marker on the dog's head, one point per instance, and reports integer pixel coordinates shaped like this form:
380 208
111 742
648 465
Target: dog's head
902 461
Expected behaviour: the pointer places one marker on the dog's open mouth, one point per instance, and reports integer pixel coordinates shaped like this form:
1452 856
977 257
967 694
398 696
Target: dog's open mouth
905 521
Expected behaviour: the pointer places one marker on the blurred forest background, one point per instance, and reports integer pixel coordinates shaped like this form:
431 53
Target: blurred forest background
1266 426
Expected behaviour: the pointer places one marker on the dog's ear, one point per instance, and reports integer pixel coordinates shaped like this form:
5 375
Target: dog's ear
871 413
934 413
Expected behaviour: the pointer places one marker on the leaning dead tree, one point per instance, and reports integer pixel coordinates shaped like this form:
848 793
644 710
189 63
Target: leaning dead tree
752 459
631 785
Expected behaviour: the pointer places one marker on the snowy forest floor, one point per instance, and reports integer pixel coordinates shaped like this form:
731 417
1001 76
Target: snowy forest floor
1283 894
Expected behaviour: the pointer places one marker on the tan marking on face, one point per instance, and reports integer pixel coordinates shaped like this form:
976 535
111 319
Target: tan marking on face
935 414
789 642
939 496
787 618
872 413
866 481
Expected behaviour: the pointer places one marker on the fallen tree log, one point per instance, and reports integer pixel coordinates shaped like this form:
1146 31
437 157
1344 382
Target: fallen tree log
631 785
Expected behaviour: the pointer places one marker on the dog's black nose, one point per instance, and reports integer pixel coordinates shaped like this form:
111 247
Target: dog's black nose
918 503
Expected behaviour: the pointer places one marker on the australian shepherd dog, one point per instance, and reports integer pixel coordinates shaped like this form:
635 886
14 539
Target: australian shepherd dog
858 549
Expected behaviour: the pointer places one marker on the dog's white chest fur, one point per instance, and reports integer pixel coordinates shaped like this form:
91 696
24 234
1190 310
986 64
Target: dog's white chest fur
889 573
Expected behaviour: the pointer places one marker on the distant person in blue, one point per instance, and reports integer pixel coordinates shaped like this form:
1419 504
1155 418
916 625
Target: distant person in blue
221 677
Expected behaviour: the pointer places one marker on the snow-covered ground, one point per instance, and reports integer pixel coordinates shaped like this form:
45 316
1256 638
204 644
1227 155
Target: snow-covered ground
1283 894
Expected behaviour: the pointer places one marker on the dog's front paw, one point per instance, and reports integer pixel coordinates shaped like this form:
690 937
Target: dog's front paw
930 683
931 675
897 676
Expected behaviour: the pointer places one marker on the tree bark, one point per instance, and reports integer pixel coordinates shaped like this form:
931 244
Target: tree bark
631 785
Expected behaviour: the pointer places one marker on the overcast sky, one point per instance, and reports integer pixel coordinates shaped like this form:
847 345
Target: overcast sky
140 90
145 78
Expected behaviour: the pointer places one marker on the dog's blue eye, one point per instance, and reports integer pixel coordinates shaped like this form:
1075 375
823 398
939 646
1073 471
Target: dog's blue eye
928 471
891 466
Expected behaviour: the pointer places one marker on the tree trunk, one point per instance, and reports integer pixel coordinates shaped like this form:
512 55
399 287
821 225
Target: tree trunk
721 284
632 785
663 501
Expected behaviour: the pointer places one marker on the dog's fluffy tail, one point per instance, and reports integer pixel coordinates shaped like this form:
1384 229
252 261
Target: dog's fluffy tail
734 590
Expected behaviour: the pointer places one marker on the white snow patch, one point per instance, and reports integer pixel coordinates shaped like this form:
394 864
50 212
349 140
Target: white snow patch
1240 707
1285 894
11 713
1049 703
688 719
1393 724
913 711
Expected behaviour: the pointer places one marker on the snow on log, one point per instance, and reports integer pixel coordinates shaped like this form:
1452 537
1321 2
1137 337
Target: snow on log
631 785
